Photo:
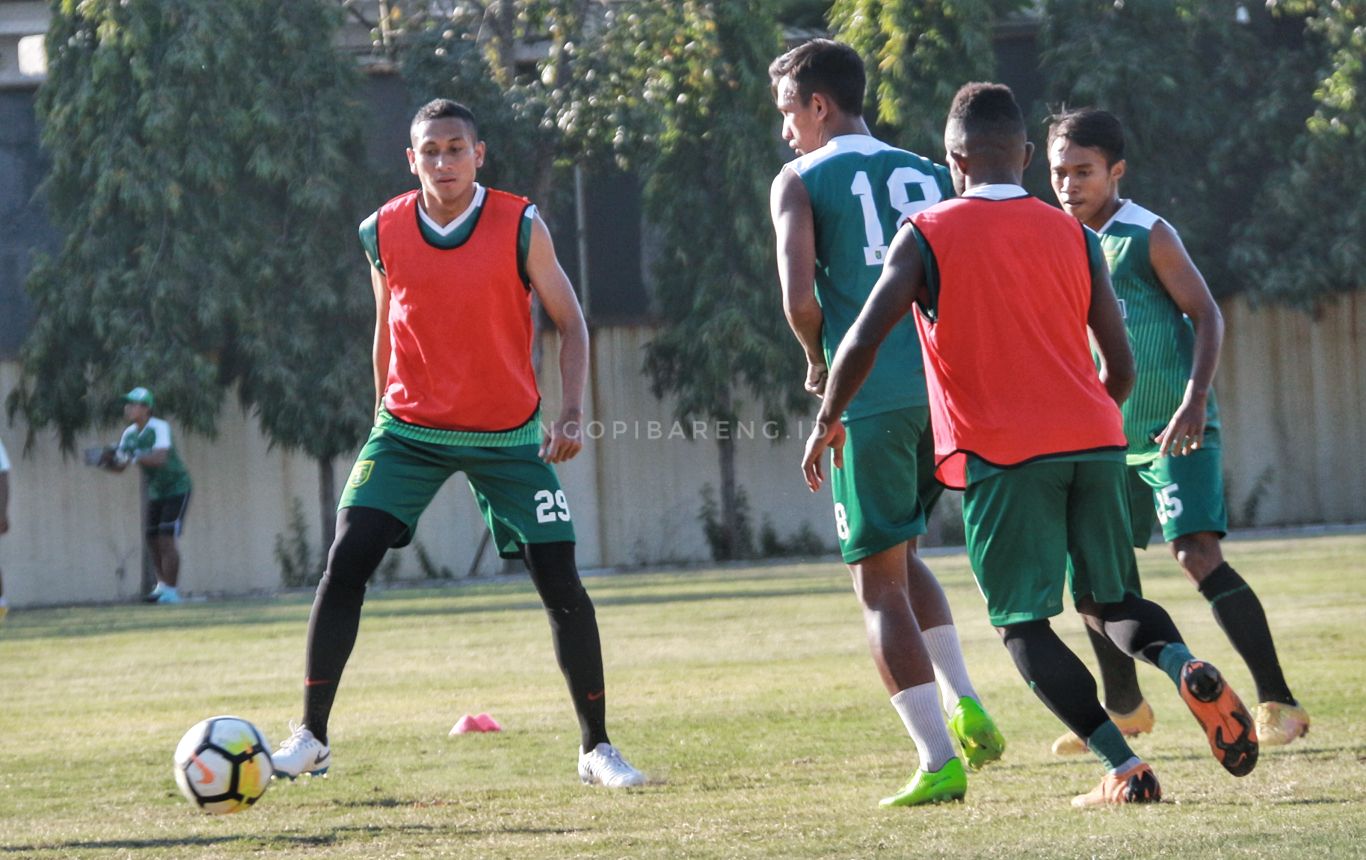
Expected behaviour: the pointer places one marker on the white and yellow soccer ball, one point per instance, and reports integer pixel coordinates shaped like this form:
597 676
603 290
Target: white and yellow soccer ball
223 765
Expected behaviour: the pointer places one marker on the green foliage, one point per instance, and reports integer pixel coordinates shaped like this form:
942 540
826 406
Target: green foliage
805 542
1212 95
724 337
202 158
918 53
430 568
553 82
730 534
298 565
1324 252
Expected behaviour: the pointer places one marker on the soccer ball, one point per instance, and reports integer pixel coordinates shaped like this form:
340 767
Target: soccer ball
223 765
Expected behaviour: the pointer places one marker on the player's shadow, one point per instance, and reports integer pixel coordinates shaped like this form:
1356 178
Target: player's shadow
388 604
335 836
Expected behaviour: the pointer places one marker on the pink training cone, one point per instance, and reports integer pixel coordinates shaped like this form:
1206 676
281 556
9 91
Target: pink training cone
465 725
487 723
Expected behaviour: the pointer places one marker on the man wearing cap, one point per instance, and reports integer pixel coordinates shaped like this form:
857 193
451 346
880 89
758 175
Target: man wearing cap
147 442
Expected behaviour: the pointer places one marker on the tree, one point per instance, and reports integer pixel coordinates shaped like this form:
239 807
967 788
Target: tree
1212 96
203 158
724 339
1307 246
918 53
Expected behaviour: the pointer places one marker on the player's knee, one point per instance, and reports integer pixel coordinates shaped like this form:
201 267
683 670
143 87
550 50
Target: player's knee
556 577
1197 554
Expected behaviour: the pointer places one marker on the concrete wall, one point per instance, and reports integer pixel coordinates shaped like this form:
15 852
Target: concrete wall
1291 390
634 493
1293 394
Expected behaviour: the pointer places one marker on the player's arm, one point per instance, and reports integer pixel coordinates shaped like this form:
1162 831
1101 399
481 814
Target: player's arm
1108 335
565 437
900 286
116 458
1184 283
381 349
790 206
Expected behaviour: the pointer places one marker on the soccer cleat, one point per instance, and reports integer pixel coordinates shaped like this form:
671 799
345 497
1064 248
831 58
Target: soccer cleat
975 732
1137 784
1139 721
604 766
938 786
301 753
154 596
168 595
1226 721
1279 724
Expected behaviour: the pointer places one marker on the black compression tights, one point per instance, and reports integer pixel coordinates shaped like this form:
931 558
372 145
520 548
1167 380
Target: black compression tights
363 537
574 629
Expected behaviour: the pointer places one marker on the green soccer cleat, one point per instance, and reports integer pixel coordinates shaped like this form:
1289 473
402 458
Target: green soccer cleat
939 786
972 726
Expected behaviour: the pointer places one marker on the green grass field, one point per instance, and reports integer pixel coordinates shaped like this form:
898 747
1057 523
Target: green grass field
746 693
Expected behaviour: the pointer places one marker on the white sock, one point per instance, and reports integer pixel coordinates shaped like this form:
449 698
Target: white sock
949 669
1133 760
919 710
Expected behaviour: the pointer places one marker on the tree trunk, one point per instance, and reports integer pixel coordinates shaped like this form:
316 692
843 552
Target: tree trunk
327 504
730 499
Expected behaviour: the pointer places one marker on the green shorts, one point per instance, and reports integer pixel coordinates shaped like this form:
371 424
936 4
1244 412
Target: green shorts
1032 528
517 492
1185 494
886 489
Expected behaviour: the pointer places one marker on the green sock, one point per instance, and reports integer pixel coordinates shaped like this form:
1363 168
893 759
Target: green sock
1172 658
1109 746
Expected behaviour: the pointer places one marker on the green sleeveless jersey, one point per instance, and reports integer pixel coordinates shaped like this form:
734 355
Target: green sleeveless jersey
1161 336
170 478
861 190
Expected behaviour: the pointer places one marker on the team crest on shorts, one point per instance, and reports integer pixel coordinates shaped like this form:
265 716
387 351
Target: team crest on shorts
361 473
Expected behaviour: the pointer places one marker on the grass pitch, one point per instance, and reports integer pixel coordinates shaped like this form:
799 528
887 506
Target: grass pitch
746 693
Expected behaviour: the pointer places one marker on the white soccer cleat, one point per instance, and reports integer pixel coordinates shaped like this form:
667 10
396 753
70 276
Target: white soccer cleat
604 766
301 753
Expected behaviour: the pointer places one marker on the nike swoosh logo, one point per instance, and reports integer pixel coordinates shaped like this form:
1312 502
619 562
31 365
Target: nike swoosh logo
205 775
309 682
593 697
322 759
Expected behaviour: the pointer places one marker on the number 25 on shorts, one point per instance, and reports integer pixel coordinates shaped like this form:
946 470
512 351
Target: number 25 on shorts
1168 505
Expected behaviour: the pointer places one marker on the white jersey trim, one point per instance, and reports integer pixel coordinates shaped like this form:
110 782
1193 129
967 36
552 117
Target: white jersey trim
159 427
475 202
1130 212
998 191
844 144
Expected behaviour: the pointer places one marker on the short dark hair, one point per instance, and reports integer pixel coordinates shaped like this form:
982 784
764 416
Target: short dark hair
444 109
823 66
987 110
1092 128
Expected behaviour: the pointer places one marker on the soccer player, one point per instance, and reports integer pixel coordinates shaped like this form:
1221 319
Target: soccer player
1171 422
453 267
1004 288
833 209
147 442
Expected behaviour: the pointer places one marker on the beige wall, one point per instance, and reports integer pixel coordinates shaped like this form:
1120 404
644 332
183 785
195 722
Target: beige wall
1291 391
73 528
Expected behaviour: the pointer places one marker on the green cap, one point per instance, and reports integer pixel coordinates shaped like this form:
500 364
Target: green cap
139 395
